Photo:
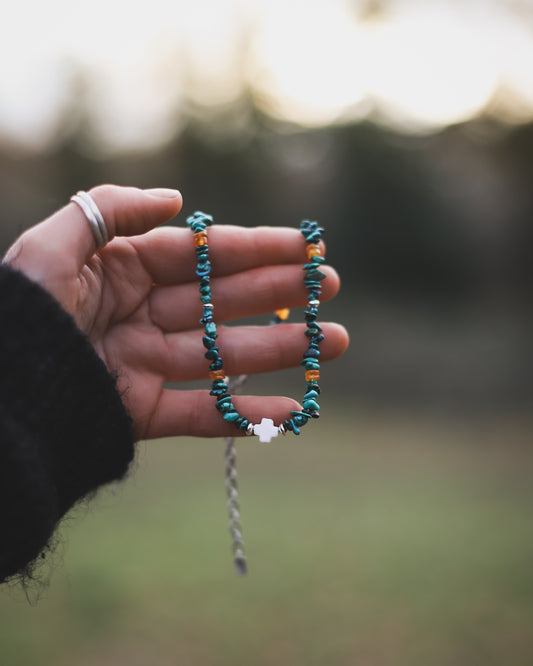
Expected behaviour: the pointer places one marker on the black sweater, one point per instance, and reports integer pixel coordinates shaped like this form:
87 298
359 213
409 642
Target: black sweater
63 428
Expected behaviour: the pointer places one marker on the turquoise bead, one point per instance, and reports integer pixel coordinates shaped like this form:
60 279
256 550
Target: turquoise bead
299 418
210 328
199 219
231 416
208 342
313 329
295 428
218 392
311 394
313 237
203 269
311 405
310 364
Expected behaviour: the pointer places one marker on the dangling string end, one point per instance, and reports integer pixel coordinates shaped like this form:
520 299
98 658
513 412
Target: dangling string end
235 526
241 568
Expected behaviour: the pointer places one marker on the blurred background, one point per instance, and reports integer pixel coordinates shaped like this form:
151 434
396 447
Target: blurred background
398 530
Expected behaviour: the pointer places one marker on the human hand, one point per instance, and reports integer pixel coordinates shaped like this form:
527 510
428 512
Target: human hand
137 301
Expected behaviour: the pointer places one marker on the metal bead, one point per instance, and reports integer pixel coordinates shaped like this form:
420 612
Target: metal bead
314 303
250 429
282 429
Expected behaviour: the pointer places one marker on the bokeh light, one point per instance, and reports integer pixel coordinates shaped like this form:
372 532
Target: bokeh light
413 65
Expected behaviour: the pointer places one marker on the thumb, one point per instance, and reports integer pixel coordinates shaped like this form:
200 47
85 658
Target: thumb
66 236
127 211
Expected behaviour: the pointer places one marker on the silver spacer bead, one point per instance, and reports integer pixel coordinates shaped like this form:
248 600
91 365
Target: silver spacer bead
282 429
208 306
314 303
250 429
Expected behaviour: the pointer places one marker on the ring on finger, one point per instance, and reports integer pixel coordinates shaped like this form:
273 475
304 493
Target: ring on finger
94 217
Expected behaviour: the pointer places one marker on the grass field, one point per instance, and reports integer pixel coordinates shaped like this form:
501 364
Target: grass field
381 541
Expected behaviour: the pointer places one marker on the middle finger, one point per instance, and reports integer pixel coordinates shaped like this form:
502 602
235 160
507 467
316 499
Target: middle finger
246 294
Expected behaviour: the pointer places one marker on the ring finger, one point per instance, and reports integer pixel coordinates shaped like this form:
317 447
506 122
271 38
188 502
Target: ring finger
248 349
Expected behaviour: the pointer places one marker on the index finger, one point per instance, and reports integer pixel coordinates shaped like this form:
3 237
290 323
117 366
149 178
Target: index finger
168 252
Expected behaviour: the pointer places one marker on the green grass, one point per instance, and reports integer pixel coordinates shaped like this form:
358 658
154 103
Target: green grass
385 541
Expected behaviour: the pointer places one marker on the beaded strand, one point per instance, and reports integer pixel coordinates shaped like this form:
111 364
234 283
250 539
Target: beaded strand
198 223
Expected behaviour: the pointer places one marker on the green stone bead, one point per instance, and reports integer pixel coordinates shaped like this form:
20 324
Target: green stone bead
208 342
219 384
299 418
231 416
210 328
295 428
311 405
313 329
313 237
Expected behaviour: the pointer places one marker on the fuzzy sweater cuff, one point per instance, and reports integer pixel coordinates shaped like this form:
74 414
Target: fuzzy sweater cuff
63 428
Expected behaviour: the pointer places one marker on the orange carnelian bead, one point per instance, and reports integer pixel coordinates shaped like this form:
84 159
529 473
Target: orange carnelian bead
283 313
313 250
217 374
312 375
200 238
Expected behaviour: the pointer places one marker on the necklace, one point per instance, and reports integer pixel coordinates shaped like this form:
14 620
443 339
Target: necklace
220 388
266 430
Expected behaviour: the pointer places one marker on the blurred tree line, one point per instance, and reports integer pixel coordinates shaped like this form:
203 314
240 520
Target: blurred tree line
432 235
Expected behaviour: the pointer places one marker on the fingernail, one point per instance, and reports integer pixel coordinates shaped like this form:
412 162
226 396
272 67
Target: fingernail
164 192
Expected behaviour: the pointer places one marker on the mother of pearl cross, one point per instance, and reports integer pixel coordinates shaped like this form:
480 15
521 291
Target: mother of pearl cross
266 430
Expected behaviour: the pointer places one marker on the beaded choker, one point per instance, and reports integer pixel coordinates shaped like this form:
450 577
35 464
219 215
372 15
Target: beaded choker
221 390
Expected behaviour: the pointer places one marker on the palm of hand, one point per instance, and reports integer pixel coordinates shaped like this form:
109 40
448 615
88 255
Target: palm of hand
111 297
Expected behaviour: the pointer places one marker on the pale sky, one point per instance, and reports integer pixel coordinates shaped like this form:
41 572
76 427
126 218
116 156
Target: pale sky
418 66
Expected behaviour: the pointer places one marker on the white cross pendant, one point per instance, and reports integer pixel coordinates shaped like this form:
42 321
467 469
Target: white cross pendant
266 430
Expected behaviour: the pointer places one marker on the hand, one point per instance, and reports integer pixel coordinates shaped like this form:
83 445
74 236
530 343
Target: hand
137 300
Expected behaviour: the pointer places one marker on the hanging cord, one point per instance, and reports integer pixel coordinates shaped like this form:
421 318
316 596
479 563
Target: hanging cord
235 525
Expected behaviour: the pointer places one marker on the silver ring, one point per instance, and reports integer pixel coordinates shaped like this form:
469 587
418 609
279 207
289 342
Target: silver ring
94 216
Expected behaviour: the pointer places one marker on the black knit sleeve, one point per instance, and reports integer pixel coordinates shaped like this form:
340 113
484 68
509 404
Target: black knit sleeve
63 428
